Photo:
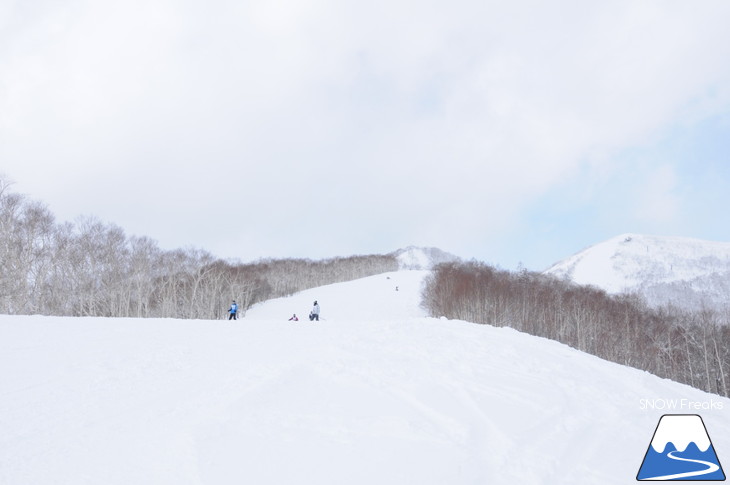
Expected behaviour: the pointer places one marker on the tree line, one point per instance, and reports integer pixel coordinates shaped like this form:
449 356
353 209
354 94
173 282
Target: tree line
688 347
91 268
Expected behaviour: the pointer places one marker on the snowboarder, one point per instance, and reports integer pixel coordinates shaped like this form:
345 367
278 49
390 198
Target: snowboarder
233 311
294 318
314 314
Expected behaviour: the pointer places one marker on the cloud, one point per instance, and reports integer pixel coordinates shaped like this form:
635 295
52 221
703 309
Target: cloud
658 202
387 123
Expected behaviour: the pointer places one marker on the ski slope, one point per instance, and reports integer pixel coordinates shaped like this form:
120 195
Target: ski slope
375 393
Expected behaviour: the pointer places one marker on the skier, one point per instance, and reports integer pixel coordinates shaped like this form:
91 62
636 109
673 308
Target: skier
233 311
294 318
314 314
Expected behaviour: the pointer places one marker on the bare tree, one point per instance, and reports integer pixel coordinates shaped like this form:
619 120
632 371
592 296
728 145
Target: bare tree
689 348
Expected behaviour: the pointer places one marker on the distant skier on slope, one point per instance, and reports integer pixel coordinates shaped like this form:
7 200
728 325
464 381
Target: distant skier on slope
233 311
294 318
314 314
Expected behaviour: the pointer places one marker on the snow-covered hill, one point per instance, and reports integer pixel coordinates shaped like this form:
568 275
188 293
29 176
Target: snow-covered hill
419 258
375 393
684 271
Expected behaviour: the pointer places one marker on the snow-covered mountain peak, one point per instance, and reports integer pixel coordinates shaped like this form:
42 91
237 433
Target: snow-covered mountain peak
634 262
420 258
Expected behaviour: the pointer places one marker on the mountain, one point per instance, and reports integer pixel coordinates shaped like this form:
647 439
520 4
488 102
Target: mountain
687 272
420 258
376 392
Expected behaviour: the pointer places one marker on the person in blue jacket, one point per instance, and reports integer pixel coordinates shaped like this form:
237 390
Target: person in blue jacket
233 311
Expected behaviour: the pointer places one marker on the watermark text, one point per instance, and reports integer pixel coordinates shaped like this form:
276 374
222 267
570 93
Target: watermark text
679 405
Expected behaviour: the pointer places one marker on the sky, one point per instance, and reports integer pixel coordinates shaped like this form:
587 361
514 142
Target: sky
514 133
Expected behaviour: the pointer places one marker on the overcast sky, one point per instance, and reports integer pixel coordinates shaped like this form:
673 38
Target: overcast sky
509 132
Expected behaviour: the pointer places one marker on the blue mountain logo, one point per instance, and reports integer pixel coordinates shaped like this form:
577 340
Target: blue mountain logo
681 450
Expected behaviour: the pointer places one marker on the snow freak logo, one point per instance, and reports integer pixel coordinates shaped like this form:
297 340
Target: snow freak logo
681 450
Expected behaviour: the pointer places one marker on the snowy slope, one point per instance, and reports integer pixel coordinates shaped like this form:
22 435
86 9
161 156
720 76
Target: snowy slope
374 394
662 268
371 298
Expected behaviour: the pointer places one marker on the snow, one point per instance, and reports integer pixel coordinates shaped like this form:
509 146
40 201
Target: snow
629 262
370 298
419 258
413 257
376 392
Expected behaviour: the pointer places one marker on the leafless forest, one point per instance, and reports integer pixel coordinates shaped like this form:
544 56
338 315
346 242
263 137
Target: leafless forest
90 268
688 347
